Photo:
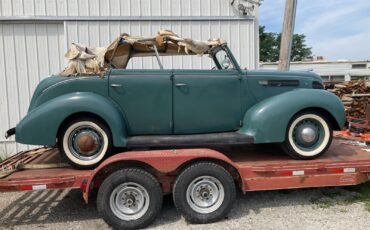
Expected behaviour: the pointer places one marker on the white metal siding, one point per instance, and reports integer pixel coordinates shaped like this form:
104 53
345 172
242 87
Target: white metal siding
116 8
31 50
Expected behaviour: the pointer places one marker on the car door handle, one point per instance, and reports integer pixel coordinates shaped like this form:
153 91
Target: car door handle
263 82
181 85
115 85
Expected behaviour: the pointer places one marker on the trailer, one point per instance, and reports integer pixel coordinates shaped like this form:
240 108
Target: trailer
203 181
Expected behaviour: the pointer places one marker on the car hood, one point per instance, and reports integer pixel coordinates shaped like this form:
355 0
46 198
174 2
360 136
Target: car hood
268 83
283 74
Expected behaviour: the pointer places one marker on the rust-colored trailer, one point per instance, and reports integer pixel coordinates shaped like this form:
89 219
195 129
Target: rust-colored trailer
252 168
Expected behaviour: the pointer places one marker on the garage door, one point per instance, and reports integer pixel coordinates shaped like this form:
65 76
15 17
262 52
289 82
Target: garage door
28 53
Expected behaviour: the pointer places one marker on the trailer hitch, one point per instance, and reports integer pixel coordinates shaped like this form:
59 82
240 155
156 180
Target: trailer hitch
9 133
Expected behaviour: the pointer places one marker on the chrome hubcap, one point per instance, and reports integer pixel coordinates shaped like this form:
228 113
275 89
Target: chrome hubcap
129 201
85 143
308 134
205 194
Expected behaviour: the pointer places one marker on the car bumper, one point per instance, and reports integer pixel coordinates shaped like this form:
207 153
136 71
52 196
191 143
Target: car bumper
10 133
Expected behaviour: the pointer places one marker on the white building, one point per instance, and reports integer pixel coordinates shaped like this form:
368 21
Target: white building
34 35
330 70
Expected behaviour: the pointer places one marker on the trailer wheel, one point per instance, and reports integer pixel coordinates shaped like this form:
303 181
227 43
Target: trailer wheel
129 199
309 135
204 192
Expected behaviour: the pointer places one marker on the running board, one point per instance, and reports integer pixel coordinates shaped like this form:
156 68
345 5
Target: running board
229 138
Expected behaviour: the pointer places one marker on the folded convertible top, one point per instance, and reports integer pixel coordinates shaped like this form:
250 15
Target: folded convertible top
96 60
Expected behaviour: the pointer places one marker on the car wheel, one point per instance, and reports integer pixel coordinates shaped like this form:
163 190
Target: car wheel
129 199
84 142
309 135
204 192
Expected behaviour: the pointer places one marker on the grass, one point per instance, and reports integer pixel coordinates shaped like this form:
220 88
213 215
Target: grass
362 194
323 202
354 194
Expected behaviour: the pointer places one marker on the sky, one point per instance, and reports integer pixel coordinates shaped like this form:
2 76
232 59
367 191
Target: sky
335 29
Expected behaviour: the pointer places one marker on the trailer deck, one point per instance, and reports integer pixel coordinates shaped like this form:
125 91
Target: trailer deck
261 167
253 167
40 169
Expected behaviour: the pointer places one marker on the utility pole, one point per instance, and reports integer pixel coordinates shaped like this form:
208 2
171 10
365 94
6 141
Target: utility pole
287 34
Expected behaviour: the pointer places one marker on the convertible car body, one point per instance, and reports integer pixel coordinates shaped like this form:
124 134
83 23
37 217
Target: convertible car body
89 114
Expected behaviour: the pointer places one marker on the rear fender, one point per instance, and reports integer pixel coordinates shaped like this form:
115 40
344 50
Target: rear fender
267 121
40 126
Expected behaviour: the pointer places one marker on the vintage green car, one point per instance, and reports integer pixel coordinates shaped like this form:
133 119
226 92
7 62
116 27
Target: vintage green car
87 116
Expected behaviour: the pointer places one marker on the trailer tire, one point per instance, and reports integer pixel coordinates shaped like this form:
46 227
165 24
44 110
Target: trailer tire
129 199
204 192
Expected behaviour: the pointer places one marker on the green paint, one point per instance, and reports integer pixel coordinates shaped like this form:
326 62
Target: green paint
146 102
40 126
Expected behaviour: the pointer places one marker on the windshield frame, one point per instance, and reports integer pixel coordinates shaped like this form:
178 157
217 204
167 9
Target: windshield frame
228 53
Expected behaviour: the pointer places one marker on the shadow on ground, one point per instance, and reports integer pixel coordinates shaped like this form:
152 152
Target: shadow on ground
58 206
55 206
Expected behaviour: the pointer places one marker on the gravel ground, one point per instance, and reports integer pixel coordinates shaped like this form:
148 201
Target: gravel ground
323 208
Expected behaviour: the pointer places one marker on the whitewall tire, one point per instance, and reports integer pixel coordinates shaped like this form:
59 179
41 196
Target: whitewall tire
84 142
308 136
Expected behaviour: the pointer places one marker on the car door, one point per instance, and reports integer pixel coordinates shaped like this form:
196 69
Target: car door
145 97
206 101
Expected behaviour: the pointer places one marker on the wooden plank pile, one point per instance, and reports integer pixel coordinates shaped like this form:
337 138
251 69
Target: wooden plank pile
355 95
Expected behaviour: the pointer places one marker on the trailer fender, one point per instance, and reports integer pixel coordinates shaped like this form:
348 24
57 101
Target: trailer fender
163 161
48 117
267 121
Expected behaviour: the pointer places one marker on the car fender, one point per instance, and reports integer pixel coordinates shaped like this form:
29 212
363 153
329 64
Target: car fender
40 126
267 121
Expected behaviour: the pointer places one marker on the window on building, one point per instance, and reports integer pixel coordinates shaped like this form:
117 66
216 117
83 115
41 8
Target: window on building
358 66
359 77
337 78
325 78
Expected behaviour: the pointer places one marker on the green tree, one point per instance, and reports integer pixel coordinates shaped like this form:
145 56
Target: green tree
270 46
269 51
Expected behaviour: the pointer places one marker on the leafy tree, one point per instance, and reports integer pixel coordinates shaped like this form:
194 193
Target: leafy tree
300 51
269 51
270 46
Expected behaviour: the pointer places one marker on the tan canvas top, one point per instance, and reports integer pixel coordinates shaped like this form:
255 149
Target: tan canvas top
85 60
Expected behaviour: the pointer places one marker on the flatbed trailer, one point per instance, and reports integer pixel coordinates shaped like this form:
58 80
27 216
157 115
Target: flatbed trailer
251 168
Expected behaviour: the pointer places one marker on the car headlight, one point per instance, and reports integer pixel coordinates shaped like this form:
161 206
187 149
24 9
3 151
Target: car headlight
317 85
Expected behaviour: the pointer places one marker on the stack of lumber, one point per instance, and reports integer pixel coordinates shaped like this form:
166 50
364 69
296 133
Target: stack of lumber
355 95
